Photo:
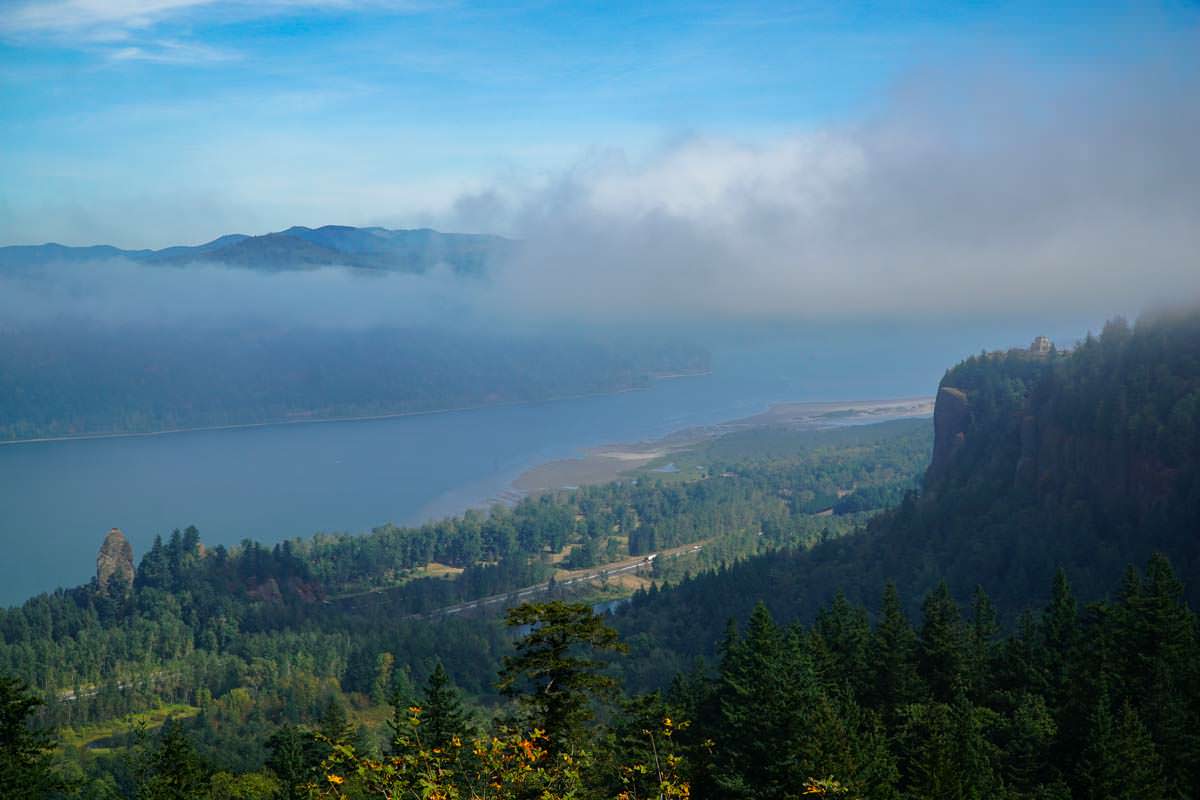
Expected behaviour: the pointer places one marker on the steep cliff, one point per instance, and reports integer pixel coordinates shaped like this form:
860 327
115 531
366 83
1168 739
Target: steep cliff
1088 461
951 414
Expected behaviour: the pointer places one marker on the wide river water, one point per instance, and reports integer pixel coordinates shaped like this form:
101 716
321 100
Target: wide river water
58 499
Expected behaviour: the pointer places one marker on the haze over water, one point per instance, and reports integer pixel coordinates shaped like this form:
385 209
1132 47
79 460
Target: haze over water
277 482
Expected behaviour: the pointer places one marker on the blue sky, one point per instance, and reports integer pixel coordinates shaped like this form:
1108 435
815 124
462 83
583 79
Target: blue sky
150 122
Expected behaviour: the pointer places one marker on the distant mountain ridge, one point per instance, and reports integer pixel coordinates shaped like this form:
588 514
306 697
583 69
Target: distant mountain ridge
382 249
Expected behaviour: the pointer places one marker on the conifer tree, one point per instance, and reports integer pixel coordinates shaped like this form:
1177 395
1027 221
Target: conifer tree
554 673
942 650
842 637
335 725
442 715
174 770
25 753
982 635
754 708
295 758
1120 761
1156 639
896 681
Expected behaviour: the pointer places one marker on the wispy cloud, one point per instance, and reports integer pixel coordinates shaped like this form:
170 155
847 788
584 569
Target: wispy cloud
78 16
156 31
168 51
59 16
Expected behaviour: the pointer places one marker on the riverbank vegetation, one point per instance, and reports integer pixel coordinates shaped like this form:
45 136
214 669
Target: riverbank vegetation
1096 702
797 649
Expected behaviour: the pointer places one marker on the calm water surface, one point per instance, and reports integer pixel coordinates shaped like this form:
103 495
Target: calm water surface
58 499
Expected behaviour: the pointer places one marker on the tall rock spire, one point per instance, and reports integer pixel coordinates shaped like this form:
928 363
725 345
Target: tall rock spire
114 559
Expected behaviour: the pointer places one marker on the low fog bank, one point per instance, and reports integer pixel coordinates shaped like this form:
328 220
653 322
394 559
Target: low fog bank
118 291
989 193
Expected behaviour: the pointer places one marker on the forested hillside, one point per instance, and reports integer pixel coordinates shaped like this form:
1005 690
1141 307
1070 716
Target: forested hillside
294 623
1087 461
1099 704
803 643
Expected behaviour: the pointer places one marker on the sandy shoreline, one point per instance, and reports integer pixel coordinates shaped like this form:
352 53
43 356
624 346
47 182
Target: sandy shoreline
611 462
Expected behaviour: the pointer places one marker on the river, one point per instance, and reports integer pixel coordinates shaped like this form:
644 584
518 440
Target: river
58 499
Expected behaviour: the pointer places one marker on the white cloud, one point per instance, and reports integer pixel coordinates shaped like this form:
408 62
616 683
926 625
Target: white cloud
168 51
56 16
154 30
968 197
40 16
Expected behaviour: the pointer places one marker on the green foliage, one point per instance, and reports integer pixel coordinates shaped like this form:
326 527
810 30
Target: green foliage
171 769
554 673
26 768
1068 462
295 758
286 650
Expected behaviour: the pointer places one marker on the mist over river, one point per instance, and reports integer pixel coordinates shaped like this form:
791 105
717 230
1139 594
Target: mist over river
58 499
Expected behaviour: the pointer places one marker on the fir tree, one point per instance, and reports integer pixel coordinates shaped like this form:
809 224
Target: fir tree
982 635
334 725
25 753
1120 760
896 680
174 770
554 673
842 637
442 716
295 758
942 651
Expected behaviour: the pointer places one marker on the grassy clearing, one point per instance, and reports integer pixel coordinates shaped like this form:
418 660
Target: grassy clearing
87 735
435 570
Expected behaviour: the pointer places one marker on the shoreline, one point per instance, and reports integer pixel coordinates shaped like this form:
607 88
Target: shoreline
610 462
363 418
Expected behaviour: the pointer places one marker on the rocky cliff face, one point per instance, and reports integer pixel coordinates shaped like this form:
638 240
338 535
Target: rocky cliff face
950 416
114 559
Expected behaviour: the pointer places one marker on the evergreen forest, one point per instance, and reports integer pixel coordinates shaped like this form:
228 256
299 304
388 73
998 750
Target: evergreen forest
997 608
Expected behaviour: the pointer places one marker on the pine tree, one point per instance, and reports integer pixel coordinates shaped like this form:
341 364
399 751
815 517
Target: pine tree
442 715
894 656
1031 731
335 725
754 707
554 674
295 758
25 753
842 636
174 770
1120 761
942 645
1156 639
1059 637
945 753
982 646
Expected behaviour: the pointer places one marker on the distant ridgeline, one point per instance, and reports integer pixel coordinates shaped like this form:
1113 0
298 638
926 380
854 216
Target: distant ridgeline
1088 461
413 251
68 375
